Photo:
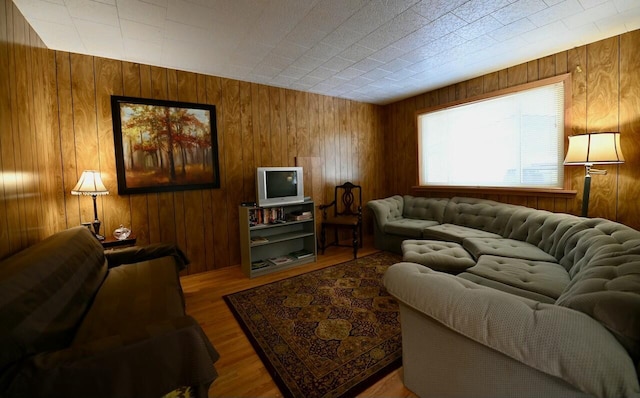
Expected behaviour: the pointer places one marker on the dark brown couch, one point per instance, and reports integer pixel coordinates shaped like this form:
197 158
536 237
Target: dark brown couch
78 322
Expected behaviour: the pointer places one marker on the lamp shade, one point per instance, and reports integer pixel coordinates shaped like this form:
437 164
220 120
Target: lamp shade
594 148
90 183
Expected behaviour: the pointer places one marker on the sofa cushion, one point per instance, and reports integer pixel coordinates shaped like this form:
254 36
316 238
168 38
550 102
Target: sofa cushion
437 254
45 291
455 233
408 227
609 291
548 279
482 281
505 248
132 297
482 214
424 208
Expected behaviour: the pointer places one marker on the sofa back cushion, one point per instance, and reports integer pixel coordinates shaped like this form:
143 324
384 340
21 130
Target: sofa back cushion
387 209
45 291
420 208
608 290
540 228
591 239
482 214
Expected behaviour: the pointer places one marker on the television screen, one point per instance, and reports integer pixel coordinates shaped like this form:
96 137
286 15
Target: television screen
281 184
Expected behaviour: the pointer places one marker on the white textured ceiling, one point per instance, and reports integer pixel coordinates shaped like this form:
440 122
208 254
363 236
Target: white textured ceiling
375 51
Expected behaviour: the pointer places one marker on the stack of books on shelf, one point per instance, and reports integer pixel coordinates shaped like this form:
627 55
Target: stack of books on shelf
293 256
300 254
299 215
259 264
258 240
281 260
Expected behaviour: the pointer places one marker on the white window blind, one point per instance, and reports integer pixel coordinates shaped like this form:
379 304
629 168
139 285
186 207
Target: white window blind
515 140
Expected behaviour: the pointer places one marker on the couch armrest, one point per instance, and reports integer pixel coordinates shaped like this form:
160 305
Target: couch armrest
387 209
143 363
136 254
554 340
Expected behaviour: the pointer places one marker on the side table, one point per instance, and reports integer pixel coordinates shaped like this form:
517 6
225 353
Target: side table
113 243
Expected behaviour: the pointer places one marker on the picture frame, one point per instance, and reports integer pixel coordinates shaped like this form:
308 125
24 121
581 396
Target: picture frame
164 146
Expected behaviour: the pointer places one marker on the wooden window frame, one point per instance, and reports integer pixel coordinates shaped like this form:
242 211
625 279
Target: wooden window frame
565 191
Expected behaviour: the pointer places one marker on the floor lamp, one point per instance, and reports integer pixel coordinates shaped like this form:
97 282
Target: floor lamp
589 149
90 183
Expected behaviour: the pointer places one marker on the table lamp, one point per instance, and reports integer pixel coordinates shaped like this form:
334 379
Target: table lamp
589 149
91 184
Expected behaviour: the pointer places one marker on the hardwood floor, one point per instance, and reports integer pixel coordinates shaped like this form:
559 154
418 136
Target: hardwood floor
241 372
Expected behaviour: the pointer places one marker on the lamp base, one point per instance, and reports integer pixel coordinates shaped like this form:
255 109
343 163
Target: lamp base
96 229
585 196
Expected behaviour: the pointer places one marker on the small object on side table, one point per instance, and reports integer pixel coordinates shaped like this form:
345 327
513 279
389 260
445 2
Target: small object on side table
111 242
121 232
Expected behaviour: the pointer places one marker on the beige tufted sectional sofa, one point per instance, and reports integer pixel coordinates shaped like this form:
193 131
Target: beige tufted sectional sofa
550 308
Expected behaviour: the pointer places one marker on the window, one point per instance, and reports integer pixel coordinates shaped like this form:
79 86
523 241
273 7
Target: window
510 139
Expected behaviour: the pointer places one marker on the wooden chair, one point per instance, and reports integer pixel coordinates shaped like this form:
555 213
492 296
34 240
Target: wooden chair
347 213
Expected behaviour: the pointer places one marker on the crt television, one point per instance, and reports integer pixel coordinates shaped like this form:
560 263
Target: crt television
279 186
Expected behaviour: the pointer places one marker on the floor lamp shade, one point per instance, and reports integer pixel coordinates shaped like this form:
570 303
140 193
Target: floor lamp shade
594 148
589 149
90 183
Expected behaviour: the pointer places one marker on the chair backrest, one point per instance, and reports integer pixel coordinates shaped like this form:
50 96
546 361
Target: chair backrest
345 200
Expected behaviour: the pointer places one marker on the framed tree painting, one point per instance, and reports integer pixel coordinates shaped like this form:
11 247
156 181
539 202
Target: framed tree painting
164 145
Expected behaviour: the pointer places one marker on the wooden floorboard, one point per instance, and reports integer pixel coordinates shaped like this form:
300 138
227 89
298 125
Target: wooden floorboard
241 372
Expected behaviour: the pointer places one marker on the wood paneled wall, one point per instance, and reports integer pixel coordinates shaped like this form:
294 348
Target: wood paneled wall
605 97
56 122
31 198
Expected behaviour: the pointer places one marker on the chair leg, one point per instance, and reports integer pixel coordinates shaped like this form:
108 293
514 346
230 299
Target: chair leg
355 242
323 239
360 235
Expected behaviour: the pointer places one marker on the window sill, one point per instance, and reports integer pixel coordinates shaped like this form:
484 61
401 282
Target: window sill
544 192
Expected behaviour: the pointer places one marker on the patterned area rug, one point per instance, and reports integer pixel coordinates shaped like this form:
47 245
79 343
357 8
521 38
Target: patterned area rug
327 333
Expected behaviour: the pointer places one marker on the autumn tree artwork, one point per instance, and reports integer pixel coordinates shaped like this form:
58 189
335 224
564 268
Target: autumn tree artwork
164 145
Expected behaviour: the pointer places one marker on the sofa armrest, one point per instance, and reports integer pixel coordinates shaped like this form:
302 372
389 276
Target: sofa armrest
145 362
554 340
136 254
387 209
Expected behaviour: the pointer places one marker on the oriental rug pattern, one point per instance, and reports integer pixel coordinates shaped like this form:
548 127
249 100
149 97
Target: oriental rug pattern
327 333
